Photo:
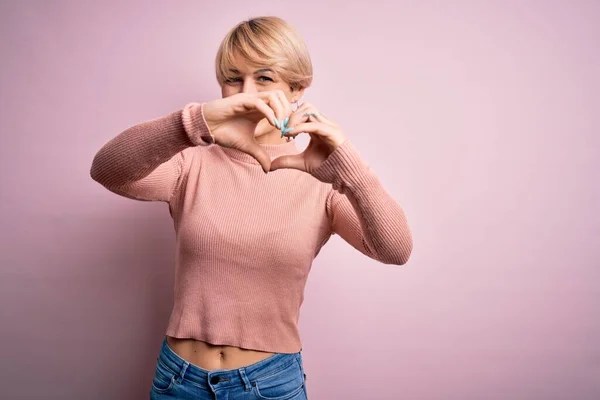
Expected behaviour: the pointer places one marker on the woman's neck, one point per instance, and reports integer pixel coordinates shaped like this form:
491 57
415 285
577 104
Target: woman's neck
271 137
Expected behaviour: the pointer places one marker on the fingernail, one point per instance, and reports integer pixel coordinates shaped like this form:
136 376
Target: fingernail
287 130
285 121
277 124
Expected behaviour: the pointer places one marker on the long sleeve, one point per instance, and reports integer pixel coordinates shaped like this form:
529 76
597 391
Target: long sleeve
360 209
147 161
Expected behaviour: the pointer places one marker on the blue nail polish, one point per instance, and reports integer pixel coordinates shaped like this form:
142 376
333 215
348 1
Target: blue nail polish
277 124
287 130
285 122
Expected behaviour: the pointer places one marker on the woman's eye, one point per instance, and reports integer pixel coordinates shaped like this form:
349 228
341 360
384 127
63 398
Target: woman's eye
238 79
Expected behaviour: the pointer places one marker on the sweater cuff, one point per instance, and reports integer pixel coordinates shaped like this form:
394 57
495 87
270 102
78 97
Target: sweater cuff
345 169
195 125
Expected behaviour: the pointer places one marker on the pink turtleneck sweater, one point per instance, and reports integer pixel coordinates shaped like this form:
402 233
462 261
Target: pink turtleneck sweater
246 240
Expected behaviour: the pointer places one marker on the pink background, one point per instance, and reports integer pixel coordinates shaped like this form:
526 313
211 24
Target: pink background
480 118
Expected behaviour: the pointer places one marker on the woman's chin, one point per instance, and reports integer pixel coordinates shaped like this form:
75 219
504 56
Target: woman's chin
262 128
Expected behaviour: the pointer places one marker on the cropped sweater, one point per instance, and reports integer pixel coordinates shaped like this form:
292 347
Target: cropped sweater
246 240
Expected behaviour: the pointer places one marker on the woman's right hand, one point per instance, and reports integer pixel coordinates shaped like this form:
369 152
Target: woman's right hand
232 120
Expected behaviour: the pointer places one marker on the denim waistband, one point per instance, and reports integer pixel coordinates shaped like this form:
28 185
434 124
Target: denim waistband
223 378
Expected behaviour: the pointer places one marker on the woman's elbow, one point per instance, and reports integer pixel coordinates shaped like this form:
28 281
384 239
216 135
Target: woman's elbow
399 254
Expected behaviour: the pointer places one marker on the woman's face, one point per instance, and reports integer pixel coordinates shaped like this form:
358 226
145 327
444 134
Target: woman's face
245 78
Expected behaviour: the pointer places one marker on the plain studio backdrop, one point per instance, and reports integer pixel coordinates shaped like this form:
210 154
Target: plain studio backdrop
480 118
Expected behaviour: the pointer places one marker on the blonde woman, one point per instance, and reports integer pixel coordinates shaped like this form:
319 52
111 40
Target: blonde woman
250 212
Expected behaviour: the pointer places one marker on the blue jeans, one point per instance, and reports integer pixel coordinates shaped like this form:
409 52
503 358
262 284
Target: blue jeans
278 377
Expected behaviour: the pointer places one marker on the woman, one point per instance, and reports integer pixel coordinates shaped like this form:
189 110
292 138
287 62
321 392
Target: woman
251 212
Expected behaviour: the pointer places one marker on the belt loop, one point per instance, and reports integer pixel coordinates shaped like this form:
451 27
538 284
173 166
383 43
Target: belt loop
300 360
247 385
181 374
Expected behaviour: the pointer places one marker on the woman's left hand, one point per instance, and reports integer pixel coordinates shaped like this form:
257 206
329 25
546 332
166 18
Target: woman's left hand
325 137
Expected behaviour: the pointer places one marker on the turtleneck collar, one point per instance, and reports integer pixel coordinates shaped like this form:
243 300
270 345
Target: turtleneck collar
274 150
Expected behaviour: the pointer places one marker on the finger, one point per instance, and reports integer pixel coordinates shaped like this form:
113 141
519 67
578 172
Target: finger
318 128
295 161
315 115
272 99
275 103
263 108
306 113
295 119
311 117
298 115
259 153
287 106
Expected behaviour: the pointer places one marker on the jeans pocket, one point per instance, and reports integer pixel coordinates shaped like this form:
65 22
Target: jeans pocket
285 384
164 379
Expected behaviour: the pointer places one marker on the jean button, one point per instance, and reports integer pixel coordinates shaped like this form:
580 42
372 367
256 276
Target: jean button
214 380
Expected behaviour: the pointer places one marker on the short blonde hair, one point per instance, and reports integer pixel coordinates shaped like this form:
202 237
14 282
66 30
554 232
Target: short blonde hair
267 41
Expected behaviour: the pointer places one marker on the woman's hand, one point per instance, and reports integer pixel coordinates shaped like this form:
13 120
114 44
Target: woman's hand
232 120
325 137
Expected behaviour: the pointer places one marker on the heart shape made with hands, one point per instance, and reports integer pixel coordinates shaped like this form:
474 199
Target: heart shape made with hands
325 137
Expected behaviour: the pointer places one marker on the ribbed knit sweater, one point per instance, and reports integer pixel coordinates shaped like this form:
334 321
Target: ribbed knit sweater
246 240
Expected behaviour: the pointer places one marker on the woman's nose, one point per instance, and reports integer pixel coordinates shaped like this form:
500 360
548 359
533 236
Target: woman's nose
249 86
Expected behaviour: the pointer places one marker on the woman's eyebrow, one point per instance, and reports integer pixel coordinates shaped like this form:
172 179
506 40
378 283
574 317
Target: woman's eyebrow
258 71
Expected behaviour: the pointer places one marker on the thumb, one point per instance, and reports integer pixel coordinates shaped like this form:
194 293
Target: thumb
259 153
295 161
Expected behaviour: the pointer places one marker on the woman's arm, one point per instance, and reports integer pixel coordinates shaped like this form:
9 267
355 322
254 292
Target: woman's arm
147 161
360 209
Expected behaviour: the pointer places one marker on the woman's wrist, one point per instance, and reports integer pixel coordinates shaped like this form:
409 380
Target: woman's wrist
196 126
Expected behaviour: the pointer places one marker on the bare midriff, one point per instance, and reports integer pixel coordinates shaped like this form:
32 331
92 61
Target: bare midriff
211 357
